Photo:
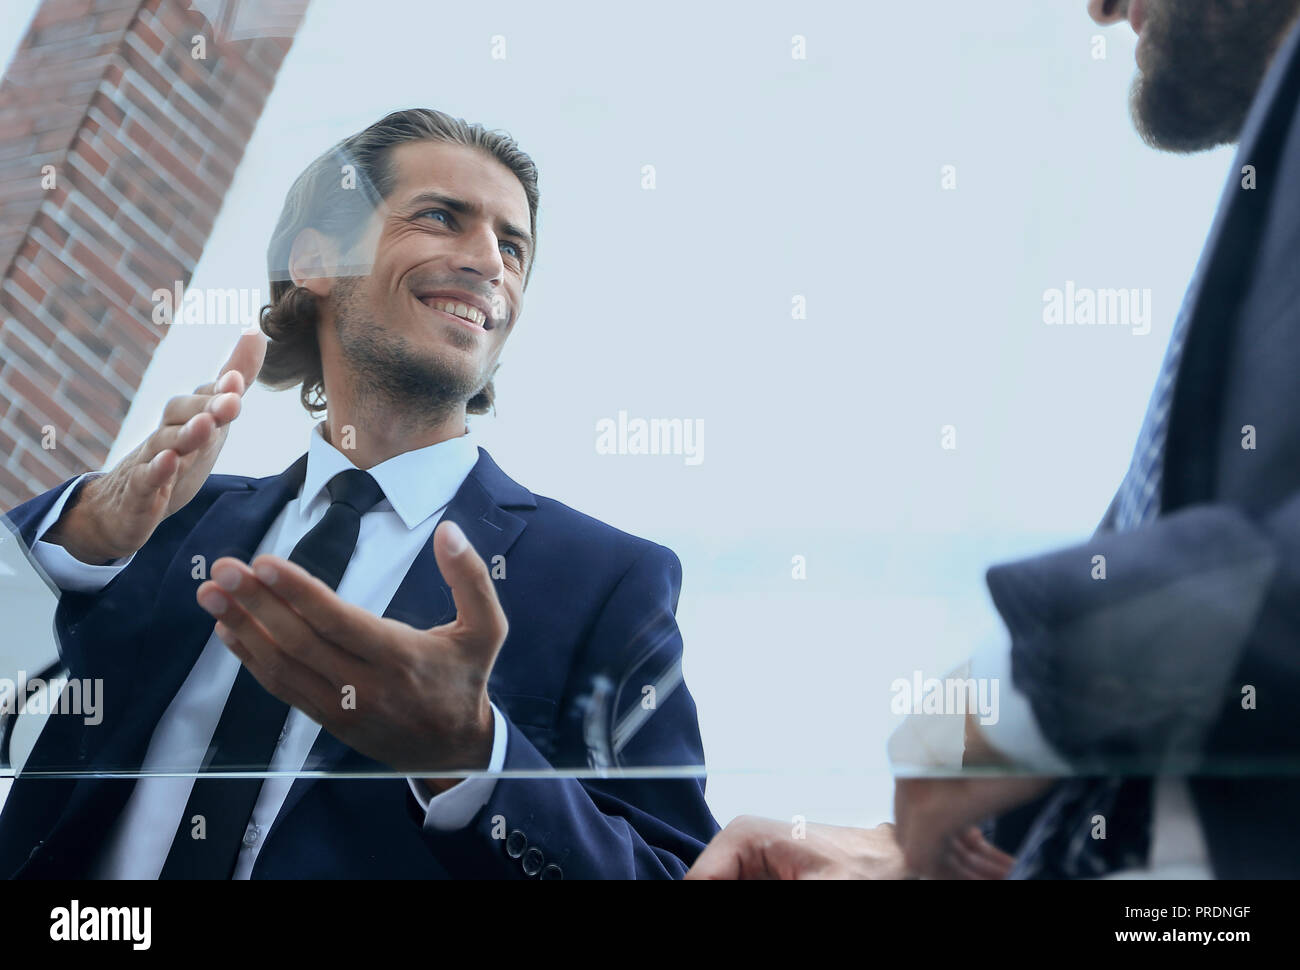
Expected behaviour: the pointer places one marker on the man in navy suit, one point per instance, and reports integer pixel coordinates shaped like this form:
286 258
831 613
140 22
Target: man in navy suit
322 604
1164 690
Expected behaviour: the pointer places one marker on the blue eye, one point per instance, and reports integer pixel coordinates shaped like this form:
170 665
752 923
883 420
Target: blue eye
519 252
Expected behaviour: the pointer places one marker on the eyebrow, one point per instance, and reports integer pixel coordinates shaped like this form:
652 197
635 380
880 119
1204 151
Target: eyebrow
463 208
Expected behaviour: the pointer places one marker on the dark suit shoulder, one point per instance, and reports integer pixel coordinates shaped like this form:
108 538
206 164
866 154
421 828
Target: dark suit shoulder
587 528
216 484
572 540
185 518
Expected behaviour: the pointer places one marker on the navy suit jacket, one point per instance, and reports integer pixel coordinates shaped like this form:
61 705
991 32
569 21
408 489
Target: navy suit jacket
1186 658
584 602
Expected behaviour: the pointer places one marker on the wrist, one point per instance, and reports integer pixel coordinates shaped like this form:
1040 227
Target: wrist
77 530
476 750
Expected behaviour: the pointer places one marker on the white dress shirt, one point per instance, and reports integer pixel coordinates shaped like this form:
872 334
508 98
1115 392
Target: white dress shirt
417 487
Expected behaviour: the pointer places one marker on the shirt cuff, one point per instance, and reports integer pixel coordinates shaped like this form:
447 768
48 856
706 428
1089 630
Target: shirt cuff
1015 730
928 741
454 808
68 572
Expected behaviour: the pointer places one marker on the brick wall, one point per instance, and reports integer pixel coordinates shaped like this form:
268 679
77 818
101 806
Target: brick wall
117 146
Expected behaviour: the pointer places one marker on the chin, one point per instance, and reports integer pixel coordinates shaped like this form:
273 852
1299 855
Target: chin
1162 119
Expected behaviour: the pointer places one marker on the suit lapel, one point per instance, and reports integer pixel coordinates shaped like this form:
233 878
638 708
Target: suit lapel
233 525
424 599
1223 273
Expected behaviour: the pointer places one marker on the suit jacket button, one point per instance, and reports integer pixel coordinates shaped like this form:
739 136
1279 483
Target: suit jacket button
516 844
532 861
552 872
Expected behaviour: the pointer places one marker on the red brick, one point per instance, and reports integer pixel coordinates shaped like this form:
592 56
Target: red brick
14 490
19 312
87 334
15 347
90 155
129 370
38 400
27 284
37 462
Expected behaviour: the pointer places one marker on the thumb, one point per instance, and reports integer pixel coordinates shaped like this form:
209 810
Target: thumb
480 621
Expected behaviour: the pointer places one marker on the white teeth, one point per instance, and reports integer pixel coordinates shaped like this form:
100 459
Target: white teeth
472 314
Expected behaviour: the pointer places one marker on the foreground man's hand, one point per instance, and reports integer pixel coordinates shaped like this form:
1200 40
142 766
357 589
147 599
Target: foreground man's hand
935 815
415 700
115 514
764 848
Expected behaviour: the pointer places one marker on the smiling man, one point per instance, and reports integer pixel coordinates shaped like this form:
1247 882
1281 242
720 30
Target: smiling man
392 604
1166 693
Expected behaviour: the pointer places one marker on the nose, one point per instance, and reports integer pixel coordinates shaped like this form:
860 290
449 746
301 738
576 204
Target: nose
480 254
1108 11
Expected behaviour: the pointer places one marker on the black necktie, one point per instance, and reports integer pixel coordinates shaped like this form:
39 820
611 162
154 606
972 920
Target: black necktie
251 723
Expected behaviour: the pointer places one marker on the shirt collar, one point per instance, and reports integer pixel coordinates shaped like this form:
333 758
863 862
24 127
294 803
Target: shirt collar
416 483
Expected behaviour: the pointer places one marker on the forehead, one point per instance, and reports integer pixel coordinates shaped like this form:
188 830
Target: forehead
467 173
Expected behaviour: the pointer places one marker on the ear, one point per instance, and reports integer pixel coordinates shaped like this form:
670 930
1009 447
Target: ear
313 261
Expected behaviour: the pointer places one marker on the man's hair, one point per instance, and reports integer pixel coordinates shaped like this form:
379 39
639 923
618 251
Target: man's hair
336 195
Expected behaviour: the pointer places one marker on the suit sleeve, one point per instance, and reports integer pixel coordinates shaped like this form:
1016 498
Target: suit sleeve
85 606
65 570
590 828
27 518
1171 646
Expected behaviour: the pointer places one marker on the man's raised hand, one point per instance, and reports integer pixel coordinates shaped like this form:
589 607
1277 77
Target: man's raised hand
116 513
413 699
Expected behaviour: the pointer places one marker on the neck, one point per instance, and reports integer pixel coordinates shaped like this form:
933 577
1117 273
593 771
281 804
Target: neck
368 435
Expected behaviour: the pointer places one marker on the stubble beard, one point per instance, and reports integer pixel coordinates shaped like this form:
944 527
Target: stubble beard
390 379
1205 60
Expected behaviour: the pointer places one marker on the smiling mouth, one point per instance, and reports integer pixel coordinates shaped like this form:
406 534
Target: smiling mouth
461 313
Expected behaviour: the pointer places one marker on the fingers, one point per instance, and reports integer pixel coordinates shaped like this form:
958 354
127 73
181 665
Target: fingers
719 860
270 627
480 622
345 626
967 855
146 481
293 683
982 856
190 421
181 439
246 359
725 857
231 381
222 406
